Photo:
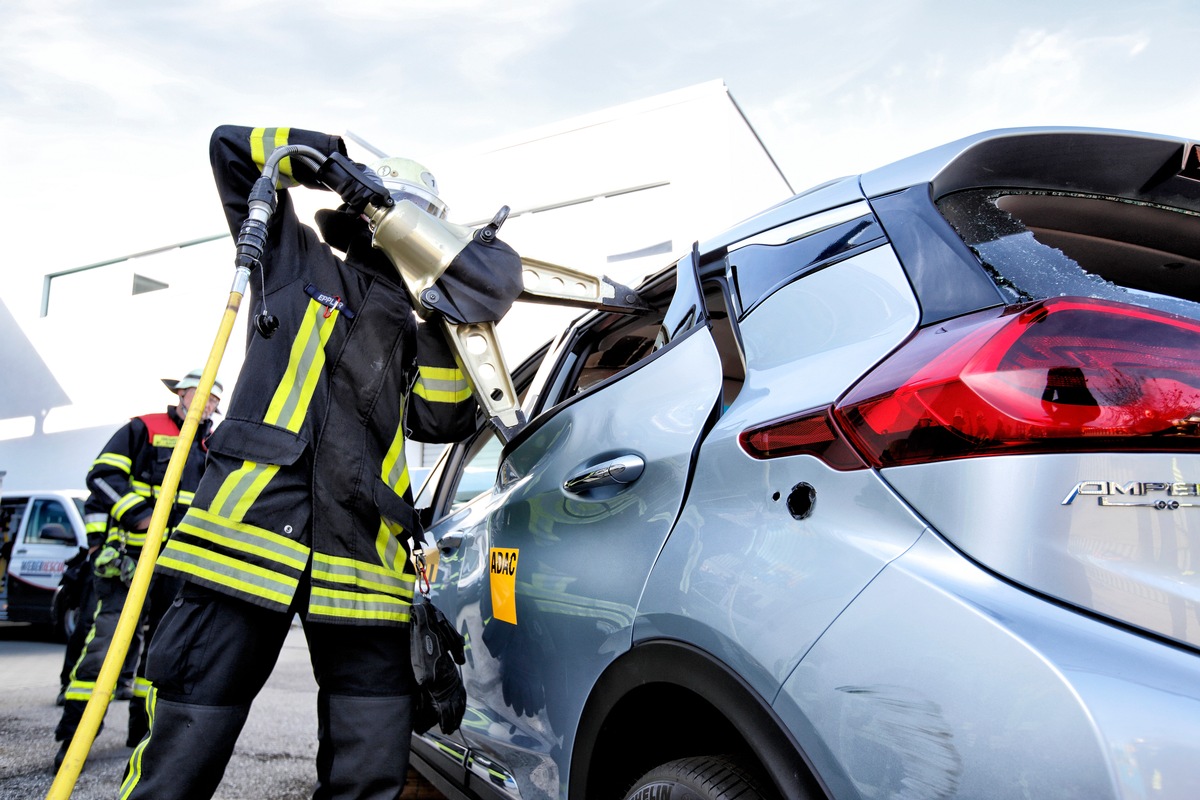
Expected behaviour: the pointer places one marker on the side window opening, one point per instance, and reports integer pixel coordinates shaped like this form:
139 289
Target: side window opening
462 474
611 345
478 473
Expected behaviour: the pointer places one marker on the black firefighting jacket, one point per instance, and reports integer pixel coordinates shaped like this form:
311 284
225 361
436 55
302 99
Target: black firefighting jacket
126 479
307 475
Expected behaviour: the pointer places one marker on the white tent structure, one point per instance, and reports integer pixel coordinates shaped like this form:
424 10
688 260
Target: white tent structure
623 191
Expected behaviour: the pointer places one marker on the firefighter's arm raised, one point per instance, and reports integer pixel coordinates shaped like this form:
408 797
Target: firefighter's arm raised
238 153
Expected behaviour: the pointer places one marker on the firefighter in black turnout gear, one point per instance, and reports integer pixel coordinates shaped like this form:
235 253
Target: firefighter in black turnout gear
124 482
305 507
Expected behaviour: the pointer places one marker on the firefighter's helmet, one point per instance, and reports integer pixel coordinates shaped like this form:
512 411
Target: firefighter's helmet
405 179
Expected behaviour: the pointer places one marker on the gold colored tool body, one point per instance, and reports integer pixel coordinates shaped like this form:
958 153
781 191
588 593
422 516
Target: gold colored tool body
418 244
422 246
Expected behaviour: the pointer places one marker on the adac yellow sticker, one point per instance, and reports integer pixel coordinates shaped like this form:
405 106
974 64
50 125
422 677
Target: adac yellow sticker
504 584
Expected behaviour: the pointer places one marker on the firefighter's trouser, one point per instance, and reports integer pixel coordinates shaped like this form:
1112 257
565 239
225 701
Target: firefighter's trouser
79 637
110 599
211 657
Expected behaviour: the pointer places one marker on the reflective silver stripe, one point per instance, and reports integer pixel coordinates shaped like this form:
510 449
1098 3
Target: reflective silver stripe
269 140
348 572
127 502
108 491
447 386
123 463
245 579
80 690
441 385
395 475
308 362
249 539
356 605
247 476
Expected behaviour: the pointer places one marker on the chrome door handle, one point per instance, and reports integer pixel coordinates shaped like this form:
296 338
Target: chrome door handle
620 471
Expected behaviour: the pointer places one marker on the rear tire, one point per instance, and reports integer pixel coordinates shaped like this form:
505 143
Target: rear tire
700 778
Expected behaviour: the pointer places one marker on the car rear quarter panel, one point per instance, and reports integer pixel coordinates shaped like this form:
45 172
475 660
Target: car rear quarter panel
941 680
1115 553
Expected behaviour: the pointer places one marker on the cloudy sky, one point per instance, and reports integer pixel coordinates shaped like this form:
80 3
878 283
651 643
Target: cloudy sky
106 107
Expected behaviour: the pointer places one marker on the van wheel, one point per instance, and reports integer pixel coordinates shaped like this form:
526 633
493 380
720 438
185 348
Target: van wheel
700 778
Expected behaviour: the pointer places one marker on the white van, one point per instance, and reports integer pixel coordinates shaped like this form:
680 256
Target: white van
40 532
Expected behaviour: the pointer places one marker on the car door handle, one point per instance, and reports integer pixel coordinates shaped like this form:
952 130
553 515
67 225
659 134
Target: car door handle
450 541
620 471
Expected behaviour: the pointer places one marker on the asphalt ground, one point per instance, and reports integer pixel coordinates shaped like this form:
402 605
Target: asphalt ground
274 758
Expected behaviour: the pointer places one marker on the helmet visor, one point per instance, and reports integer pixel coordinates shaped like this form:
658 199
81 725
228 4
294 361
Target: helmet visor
420 197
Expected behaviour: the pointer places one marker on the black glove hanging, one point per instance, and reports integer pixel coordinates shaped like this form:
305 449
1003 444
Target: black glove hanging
436 650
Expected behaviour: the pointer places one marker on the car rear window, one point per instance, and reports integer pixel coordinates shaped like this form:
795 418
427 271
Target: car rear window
1038 244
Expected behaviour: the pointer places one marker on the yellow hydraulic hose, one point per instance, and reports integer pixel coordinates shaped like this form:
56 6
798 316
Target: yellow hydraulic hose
93 715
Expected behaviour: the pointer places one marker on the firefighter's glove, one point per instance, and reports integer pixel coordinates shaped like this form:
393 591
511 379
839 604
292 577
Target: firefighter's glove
112 563
437 650
354 183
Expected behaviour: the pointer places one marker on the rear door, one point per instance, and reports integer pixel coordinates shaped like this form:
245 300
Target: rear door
544 574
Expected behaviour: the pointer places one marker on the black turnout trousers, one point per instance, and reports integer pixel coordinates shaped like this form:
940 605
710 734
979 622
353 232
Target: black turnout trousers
212 655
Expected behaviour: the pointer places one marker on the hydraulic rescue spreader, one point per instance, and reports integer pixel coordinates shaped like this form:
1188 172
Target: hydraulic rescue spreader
426 251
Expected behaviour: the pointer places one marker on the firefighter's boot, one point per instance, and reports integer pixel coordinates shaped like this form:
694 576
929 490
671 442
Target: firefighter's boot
363 747
186 752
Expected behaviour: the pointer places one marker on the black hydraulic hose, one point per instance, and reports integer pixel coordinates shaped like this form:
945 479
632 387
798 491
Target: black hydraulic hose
252 238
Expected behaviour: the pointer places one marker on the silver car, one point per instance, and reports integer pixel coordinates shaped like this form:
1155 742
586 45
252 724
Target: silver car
895 494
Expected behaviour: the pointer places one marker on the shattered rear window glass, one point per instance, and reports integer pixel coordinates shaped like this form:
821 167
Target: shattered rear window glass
1037 245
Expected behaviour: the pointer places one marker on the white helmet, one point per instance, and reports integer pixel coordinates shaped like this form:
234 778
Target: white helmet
405 179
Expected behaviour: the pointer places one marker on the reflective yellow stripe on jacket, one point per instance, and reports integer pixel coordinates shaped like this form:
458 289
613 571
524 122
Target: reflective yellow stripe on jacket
250 560
216 545
441 385
263 142
352 589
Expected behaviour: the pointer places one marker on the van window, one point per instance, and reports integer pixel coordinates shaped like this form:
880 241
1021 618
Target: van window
46 512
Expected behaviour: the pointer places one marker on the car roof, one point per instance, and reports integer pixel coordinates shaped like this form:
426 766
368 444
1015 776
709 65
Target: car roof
67 493
1105 161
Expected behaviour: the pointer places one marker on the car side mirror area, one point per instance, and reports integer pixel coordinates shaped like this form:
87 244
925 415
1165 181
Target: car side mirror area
57 533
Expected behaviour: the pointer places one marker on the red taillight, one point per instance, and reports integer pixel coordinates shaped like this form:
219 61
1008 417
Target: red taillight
808 433
1064 374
